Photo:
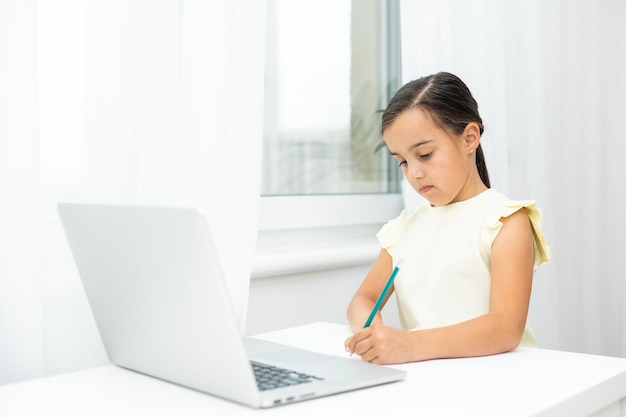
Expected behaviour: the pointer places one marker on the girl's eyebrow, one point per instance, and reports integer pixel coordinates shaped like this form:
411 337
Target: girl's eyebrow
415 145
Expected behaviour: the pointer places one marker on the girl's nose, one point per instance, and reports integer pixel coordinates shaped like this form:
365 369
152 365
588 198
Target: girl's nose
415 171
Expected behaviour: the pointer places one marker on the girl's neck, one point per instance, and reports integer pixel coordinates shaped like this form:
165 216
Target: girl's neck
473 187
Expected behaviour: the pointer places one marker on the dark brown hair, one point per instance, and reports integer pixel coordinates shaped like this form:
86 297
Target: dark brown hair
448 101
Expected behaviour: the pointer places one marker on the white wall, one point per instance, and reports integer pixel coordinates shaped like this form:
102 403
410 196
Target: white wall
292 300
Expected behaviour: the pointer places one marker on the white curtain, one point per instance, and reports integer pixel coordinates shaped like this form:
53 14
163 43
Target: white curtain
550 80
125 102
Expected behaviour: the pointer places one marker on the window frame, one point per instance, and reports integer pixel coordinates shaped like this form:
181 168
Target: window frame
300 233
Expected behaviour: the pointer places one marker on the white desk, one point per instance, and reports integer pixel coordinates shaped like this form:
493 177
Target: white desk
526 382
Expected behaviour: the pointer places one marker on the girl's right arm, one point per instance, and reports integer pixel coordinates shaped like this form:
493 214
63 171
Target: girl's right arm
366 295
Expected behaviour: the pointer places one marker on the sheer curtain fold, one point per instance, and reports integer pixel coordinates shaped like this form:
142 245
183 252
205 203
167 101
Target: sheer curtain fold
21 350
221 124
169 112
549 78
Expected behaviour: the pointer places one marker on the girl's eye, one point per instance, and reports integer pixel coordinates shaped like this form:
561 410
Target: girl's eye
402 163
426 155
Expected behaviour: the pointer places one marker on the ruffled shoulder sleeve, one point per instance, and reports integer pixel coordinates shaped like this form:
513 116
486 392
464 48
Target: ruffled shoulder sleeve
494 225
387 235
392 232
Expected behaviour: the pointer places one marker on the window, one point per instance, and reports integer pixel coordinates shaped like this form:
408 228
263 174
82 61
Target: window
331 68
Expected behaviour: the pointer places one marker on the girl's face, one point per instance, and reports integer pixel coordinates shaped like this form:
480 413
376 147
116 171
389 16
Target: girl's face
439 166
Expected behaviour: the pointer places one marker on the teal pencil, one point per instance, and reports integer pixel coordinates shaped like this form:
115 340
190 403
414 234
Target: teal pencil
383 294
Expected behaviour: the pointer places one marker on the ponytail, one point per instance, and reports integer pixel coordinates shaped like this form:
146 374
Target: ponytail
482 166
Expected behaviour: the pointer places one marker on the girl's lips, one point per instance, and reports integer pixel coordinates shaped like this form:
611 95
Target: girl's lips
425 189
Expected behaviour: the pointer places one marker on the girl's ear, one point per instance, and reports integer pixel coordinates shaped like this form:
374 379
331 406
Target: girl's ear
471 136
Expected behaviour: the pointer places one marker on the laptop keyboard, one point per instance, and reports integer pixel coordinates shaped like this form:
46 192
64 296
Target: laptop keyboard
271 377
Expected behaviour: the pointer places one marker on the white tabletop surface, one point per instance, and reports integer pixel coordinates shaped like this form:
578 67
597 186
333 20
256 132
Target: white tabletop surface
526 382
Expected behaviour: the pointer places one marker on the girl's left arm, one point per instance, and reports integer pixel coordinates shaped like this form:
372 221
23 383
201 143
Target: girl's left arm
512 263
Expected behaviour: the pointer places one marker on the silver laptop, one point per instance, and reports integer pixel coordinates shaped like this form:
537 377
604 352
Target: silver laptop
154 283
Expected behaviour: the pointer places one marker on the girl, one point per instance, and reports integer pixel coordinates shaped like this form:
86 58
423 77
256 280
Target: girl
468 256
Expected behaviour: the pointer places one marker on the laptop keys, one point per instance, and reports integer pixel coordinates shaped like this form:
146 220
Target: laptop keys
271 377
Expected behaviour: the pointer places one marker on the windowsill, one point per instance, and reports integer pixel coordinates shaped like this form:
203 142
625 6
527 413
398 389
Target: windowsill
282 252
313 233
307 260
